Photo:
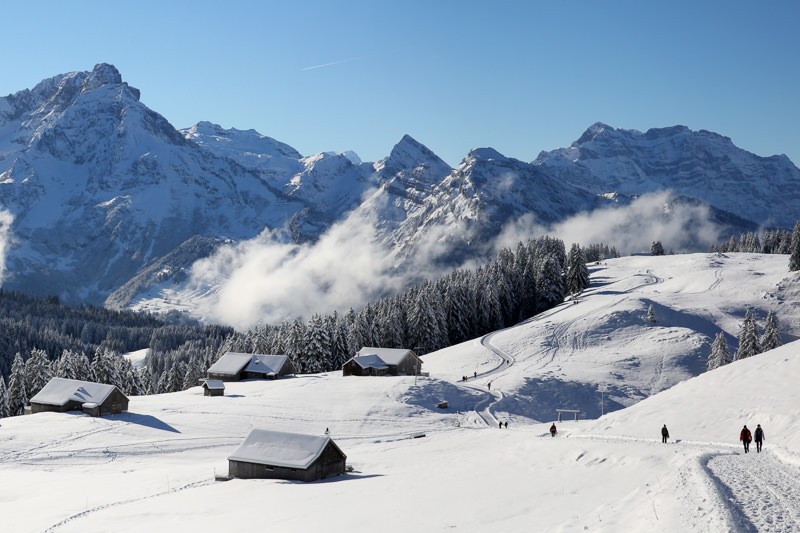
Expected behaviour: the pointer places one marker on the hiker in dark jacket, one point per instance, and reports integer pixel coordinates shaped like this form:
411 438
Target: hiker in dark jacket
745 436
664 434
553 430
759 438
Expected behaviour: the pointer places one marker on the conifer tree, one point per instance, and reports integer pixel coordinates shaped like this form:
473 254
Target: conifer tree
37 372
17 394
317 346
550 286
772 336
748 337
577 272
794 249
4 411
651 314
720 355
656 248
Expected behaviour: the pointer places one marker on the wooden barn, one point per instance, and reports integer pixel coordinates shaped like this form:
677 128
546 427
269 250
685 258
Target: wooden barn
213 387
266 454
95 399
382 361
233 366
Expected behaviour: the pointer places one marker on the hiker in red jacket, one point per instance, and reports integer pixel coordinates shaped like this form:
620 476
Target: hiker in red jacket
745 437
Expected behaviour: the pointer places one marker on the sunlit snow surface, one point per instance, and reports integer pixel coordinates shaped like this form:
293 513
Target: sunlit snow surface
153 469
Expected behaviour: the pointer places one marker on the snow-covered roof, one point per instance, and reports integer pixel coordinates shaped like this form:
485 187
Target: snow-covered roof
231 363
266 364
276 448
60 391
370 361
215 384
390 356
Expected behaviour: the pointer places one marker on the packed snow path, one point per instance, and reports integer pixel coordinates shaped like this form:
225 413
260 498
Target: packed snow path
763 493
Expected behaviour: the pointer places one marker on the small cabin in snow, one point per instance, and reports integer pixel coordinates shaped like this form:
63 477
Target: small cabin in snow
213 387
61 395
382 361
233 366
266 454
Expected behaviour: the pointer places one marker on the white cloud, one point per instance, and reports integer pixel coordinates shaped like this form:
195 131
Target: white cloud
6 219
266 280
630 228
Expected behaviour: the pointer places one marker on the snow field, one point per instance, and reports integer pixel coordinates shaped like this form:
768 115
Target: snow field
153 468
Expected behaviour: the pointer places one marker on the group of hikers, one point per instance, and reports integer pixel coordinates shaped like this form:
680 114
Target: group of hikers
745 437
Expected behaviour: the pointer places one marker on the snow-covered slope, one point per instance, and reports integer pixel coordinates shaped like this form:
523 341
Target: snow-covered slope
697 164
153 468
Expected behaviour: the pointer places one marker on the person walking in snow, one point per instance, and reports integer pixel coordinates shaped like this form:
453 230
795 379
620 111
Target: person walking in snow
745 436
759 438
664 434
553 430
500 425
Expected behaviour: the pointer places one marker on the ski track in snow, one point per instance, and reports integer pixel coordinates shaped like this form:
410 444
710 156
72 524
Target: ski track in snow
82 514
763 492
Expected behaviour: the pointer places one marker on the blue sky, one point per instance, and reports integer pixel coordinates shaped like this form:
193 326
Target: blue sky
356 75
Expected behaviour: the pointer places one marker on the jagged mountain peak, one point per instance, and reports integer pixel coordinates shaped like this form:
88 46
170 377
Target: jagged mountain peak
103 74
407 154
485 154
593 131
232 141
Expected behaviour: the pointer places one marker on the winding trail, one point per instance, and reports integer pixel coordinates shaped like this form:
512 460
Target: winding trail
484 408
763 492
759 491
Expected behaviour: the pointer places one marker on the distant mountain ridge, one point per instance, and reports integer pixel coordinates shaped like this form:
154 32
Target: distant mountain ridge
106 194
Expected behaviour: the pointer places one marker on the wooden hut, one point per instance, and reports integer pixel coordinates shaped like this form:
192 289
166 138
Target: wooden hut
95 399
266 454
213 387
382 361
234 366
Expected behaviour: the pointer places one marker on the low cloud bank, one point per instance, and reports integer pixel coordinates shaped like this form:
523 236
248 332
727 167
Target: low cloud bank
630 228
265 281
6 219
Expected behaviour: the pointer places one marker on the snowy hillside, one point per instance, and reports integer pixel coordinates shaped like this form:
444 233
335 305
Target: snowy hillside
153 467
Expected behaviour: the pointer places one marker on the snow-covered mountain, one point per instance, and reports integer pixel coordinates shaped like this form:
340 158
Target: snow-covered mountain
695 164
109 200
99 186
154 466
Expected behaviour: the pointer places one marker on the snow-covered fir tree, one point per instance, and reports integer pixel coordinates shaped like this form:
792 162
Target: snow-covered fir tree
317 345
104 368
550 286
794 249
771 338
656 248
37 372
66 366
651 314
720 355
4 411
577 272
748 337
17 394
